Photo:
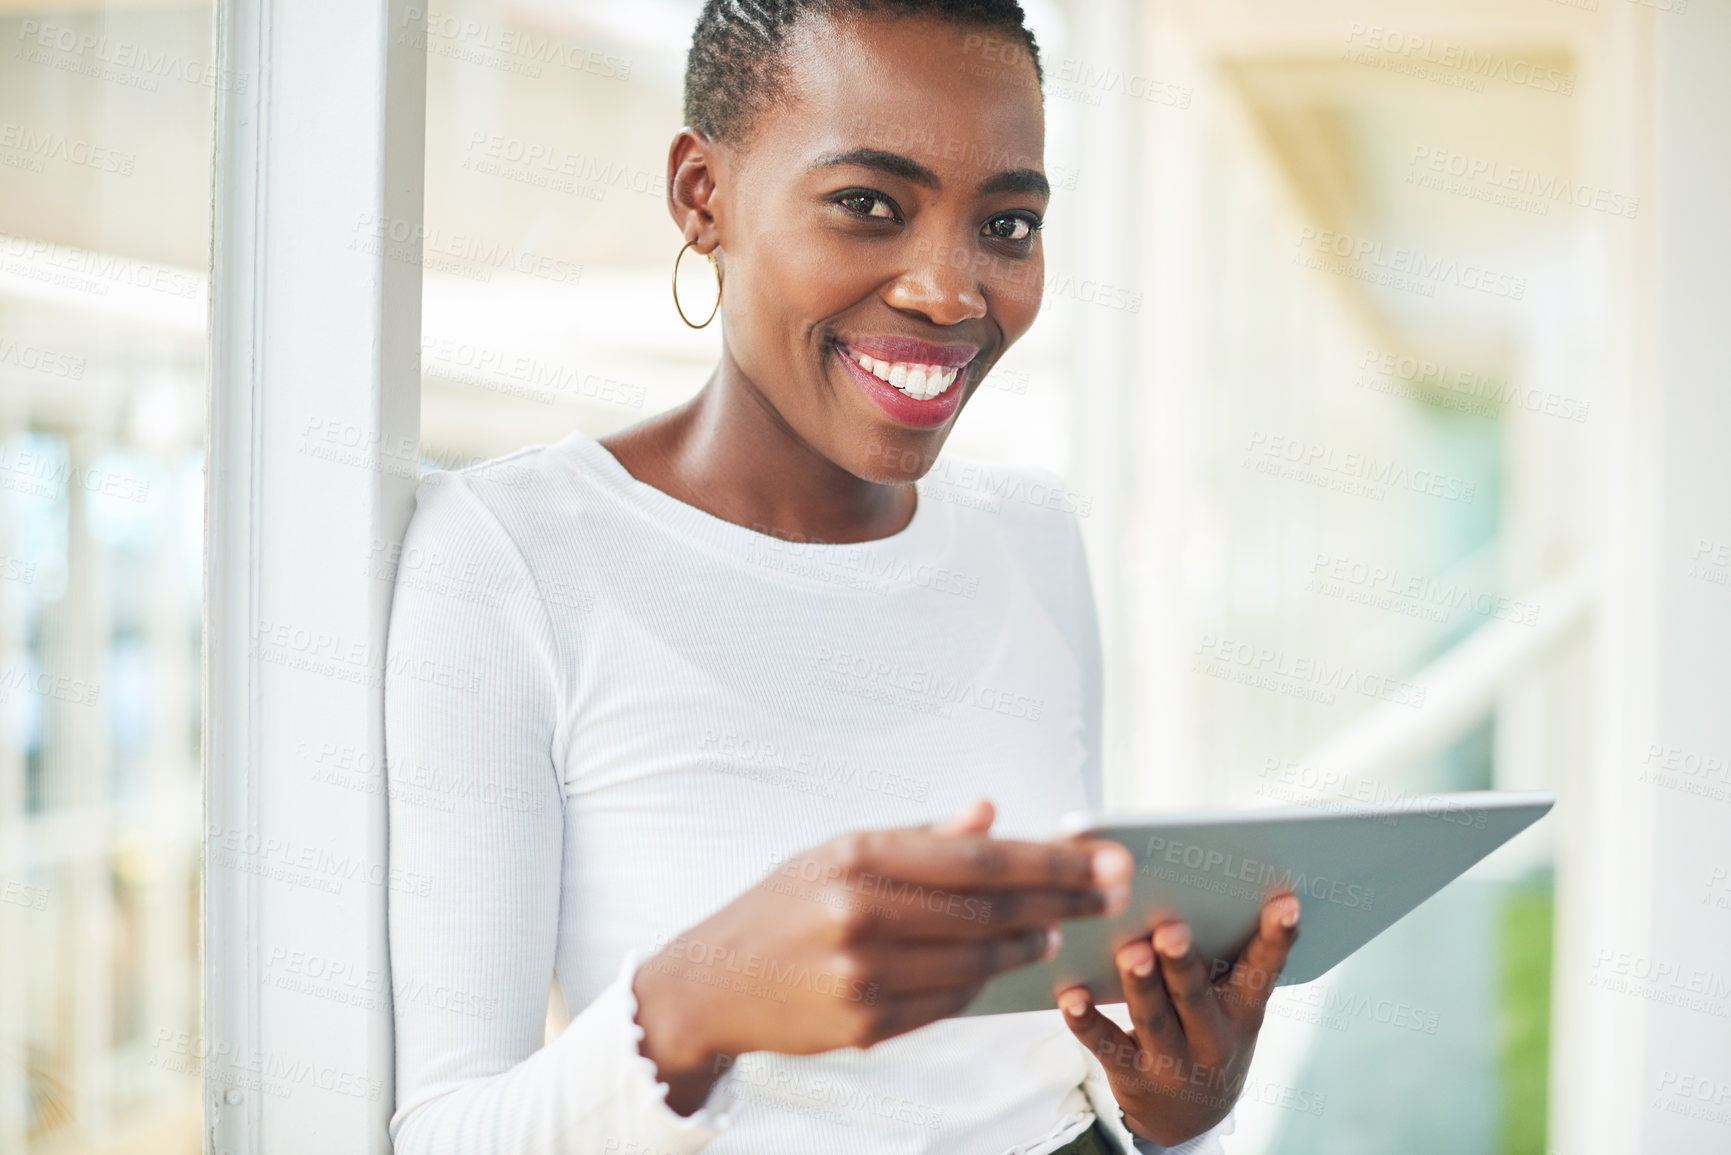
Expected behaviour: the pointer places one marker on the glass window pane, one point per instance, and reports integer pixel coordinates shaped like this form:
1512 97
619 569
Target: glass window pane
105 144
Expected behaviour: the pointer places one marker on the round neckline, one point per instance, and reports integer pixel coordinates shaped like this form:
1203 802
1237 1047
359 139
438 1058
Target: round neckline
925 538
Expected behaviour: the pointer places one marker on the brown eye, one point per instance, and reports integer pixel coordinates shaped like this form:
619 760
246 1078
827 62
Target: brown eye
867 205
1012 227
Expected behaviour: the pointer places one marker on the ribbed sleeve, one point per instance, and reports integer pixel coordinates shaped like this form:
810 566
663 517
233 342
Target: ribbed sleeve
472 708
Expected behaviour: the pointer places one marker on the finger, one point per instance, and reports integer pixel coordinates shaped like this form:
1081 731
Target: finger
976 861
1248 987
975 818
1189 991
1145 996
1116 1050
906 911
906 967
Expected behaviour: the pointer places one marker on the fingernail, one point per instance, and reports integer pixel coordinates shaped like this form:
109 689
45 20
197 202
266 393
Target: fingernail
1142 968
1112 864
1289 913
1172 940
1054 940
1074 1001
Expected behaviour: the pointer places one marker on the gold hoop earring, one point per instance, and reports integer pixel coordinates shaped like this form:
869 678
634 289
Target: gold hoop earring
676 305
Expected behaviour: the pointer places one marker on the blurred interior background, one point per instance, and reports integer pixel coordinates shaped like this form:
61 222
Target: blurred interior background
1328 327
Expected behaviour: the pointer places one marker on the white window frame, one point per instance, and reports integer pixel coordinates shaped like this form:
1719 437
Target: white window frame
312 461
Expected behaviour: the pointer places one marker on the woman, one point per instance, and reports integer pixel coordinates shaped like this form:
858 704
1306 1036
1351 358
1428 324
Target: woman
710 678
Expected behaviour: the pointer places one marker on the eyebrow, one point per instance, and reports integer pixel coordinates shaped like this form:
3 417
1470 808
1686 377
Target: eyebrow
1018 180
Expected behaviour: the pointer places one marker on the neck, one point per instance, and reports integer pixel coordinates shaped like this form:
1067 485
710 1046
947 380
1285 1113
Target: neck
729 453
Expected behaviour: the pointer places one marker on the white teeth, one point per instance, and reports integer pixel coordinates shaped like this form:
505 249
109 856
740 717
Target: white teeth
921 382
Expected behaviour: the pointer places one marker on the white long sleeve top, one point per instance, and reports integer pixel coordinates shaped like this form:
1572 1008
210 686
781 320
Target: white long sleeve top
608 713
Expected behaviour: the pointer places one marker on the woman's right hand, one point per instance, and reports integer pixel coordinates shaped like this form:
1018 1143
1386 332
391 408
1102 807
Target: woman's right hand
868 936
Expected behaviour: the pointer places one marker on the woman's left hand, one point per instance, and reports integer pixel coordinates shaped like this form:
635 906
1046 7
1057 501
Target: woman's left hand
1180 1068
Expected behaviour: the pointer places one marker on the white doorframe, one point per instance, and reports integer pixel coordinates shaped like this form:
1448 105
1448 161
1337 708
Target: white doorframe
1641 1040
312 461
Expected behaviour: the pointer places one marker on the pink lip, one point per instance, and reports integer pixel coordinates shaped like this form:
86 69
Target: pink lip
898 406
911 350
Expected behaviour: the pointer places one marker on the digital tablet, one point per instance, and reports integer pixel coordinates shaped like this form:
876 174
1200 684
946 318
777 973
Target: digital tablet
1356 869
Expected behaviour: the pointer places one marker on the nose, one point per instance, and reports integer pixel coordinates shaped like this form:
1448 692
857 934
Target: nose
942 285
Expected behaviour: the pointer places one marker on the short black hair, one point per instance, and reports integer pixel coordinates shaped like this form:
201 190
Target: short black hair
734 65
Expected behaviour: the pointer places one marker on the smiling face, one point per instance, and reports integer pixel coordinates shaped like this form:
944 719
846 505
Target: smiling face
879 237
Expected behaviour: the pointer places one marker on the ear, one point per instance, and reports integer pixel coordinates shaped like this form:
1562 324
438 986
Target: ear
692 162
